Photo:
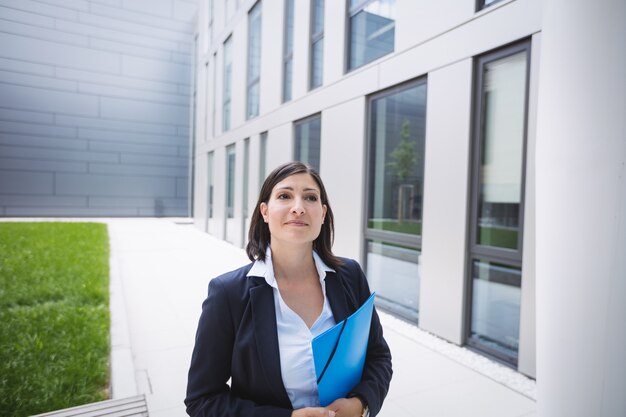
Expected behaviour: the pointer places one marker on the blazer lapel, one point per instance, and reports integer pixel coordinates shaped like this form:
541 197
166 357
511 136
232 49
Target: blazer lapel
336 297
266 336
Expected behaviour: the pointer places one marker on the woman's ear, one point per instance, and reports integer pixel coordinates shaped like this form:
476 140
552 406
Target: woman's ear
324 210
264 212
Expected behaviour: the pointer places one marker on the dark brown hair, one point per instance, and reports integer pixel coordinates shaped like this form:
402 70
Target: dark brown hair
259 235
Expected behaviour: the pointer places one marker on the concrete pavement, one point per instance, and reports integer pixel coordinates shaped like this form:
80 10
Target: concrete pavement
160 271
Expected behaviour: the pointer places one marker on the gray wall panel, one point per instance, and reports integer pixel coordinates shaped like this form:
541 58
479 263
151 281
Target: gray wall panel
26 182
56 154
53 53
39 99
76 211
115 125
42 141
26 116
132 148
46 34
39 165
153 160
147 170
119 81
94 107
23 128
114 186
37 81
9 200
41 8
26 67
131 136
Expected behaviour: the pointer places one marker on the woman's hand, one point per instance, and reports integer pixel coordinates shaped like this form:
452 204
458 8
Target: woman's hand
313 412
347 407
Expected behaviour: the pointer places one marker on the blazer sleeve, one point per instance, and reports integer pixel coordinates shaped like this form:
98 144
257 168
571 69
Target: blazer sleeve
377 371
208 394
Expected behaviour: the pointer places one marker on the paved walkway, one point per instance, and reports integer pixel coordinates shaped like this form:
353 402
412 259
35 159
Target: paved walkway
160 271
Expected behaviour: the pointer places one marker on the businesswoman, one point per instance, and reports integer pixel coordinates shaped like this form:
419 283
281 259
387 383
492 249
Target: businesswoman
258 321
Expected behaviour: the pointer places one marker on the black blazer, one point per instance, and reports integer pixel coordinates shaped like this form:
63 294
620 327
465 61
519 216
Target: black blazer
237 338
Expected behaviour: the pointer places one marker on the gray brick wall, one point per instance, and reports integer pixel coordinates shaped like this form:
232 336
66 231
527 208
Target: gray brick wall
94 107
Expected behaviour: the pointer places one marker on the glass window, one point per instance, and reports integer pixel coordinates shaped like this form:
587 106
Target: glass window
317 44
214 90
288 51
397 129
371 29
262 159
246 172
500 177
307 144
227 86
230 181
386 260
210 185
481 4
496 221
206 101
254 60
496 307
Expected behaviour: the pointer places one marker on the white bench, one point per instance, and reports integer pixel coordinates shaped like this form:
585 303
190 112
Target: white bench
125 407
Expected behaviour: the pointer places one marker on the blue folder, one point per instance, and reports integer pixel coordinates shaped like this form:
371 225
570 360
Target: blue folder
339 354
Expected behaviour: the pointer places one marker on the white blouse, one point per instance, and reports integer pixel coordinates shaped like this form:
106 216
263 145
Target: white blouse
294 337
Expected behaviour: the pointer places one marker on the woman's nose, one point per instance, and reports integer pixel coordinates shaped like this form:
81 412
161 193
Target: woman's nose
298 207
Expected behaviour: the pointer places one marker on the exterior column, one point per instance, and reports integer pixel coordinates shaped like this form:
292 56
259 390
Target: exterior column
581 210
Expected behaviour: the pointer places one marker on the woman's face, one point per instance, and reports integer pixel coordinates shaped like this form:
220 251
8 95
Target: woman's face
294 211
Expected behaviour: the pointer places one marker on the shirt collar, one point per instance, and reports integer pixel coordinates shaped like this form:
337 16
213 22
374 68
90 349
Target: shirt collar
265 269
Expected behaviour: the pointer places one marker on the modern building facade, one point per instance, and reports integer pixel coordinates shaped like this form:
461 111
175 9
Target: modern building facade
94 107
425 121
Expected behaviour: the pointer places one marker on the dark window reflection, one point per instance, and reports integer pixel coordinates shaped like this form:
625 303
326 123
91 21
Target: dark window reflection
307 144
496 308
397 161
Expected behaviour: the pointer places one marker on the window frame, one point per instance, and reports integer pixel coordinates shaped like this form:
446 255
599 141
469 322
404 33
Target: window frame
413 242
475 251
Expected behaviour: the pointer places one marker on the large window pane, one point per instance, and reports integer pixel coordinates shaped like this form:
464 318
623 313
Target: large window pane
317 44
393 271
230 181
227 83
496 308
262 159
496 222
254 60
397 131
288 51
372 31
307 143
504 101
210 185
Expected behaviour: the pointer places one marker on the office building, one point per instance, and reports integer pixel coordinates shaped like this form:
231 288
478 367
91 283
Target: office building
473 152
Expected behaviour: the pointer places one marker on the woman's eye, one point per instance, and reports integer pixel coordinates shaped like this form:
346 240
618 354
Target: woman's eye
311 198
283 196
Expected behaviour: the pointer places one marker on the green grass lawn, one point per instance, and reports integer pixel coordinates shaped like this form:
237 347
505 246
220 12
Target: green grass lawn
54 316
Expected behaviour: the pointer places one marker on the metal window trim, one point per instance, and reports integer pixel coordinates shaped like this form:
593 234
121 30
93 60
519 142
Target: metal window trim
413 241
500 255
